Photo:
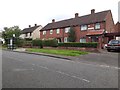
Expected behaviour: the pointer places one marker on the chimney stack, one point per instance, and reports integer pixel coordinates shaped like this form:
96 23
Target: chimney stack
76 15
35 24
53 20
92 11
29 25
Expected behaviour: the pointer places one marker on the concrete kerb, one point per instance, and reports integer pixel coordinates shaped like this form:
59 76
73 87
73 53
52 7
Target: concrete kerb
43 54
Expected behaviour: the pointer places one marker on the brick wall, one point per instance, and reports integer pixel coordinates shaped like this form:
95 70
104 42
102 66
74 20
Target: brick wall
117 27
109 23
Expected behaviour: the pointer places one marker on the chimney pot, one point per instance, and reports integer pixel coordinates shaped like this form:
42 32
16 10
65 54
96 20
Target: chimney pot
35 24
76 15
92 11
53 20
29 25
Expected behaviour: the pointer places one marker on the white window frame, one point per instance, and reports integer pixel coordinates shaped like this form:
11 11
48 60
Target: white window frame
65 39
83 27
97 26
44 32
51 31
67 29
82 40
57 31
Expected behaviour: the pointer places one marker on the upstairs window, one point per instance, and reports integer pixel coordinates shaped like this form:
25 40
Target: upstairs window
83 27
58 31
97 26
44 32
67 29
51 31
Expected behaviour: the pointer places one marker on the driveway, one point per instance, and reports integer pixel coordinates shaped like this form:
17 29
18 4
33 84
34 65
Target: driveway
103 58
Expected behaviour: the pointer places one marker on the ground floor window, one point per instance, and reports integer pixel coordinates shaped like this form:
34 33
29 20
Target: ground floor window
66 39
83 40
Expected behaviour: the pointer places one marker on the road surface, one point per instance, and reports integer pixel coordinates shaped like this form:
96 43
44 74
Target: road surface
21 70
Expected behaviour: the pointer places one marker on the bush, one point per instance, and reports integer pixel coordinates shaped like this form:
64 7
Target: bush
19 42
75 44
50 43
27 43
37 43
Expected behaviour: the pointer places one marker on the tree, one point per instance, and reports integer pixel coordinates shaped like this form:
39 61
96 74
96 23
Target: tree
71 35
8 33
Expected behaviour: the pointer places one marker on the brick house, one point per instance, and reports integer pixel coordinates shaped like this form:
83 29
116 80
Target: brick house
31 32
88 28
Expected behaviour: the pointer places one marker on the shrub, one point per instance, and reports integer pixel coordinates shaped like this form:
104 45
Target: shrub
27 43
19 42
37 43
50 43
75 44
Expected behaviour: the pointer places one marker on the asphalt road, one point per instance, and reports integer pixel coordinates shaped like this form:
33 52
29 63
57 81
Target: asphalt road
20 70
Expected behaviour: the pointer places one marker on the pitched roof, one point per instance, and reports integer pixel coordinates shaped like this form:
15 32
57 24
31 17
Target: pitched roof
87 19
30 29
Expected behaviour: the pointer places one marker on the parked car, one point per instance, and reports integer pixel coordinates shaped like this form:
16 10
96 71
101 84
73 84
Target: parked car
113 45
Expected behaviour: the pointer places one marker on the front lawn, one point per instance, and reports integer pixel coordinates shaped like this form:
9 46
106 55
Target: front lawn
58 52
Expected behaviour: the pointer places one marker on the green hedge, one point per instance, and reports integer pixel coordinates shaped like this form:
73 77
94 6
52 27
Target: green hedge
75 44
37 42
50 43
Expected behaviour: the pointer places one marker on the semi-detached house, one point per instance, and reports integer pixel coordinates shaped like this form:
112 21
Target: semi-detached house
31 32
88 28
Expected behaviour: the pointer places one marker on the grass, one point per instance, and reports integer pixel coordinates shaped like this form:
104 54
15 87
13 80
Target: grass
58 52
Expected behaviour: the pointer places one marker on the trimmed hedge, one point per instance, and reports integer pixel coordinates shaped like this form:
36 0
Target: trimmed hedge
37 43
50 43
76 44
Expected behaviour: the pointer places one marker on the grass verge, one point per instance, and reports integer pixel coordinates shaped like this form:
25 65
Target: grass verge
58 52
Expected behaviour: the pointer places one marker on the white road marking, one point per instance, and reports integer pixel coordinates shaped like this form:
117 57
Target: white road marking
20 69
42 66
97 65
60 72
73 76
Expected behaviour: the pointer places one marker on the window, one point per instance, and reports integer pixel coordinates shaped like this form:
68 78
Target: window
66 39
58 31
44 32
83 27
83 40
97 26
67 29
51 31
30 33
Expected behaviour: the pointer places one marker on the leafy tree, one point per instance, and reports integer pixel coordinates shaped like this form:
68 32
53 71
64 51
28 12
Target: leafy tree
71 35
8 33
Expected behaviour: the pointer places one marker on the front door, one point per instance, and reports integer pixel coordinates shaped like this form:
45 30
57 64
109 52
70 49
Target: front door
94 39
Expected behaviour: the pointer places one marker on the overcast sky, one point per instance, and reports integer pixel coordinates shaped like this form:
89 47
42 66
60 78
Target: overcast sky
41 12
